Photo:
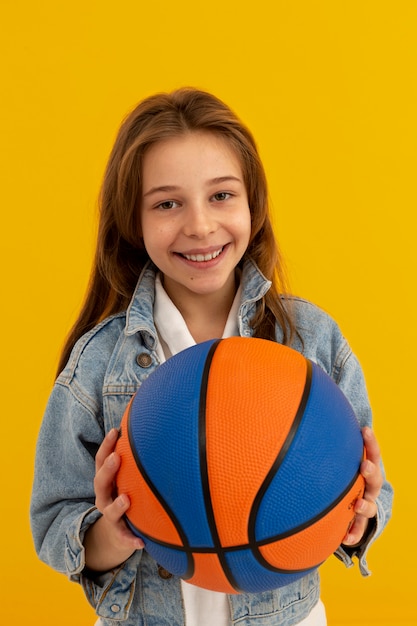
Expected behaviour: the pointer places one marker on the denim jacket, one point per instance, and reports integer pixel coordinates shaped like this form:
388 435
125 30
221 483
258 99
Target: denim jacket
106 367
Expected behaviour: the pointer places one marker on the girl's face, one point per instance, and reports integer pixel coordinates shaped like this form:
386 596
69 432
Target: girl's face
195 217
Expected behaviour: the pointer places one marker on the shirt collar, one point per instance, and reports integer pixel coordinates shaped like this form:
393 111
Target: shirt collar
171 325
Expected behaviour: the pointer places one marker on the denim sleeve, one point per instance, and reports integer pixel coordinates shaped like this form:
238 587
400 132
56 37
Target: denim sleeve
349 376
62 505
63 488
109 593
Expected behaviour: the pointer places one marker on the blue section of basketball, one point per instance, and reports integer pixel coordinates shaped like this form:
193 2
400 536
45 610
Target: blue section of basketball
172 397
315 457
175 561
251 576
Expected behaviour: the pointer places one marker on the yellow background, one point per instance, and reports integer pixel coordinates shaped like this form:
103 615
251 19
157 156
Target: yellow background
329 89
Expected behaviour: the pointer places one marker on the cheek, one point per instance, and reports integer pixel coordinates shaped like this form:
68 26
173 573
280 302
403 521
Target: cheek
156 235
245 227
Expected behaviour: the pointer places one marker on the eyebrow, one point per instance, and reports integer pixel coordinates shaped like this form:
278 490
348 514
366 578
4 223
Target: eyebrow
213 181
164 188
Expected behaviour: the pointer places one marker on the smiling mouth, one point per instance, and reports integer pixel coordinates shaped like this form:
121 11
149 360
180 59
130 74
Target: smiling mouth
201 258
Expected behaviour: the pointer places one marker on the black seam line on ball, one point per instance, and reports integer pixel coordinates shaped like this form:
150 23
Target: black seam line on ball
218 548
297 529
278 461
313 520
190 563
281 454
262 542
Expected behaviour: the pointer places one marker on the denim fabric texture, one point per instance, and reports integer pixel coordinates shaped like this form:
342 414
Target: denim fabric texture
106 367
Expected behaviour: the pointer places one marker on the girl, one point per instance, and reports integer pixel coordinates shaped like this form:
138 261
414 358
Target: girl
185 253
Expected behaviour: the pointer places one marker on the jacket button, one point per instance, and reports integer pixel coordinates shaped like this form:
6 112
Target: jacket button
163 573
115 608
144 359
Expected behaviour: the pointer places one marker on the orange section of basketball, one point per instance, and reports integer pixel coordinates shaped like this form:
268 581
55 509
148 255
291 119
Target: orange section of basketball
145 512
243 435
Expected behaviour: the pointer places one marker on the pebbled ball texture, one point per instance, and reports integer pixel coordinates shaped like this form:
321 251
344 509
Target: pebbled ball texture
241 460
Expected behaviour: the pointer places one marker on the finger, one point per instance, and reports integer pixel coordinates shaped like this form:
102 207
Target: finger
114 515
373 479
372 448
130 540
356 531
366 508
104 481
107 447
117 508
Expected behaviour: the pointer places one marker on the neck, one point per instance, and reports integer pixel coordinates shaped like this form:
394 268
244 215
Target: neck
205 314
207 321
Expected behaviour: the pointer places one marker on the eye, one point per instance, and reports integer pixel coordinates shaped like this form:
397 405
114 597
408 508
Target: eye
166 205
221 196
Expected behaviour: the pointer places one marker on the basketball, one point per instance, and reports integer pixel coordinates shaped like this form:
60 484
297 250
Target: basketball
241 461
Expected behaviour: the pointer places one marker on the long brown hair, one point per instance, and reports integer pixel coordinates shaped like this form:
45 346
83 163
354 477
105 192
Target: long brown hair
120 255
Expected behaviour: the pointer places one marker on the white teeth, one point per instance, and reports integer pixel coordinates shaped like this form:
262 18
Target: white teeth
202 257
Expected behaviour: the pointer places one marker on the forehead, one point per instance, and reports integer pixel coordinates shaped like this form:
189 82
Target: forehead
192 151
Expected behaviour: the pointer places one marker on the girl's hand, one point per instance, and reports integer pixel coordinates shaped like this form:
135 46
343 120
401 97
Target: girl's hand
366 508
109 542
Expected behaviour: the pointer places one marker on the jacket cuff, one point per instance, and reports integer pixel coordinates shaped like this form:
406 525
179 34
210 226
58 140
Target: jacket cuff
74 549
109 593
347 553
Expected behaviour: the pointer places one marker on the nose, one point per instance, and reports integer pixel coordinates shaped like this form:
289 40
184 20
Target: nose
199 221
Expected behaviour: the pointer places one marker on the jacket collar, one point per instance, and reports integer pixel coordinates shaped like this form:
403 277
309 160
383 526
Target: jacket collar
139 315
